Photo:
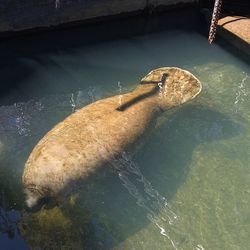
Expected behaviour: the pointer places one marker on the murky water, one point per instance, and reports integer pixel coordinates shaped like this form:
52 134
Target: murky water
187 188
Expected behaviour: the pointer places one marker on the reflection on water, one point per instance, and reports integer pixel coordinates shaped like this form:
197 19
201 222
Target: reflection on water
186 188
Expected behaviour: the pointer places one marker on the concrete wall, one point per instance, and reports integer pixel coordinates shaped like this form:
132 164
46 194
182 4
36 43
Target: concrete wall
17 15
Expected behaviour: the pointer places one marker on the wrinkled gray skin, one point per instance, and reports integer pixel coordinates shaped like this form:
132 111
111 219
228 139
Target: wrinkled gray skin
88 139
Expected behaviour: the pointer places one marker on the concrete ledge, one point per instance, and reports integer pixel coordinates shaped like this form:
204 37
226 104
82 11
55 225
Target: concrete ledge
16 15
236 30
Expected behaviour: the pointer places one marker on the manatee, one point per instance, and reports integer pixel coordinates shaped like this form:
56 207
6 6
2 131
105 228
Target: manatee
91 137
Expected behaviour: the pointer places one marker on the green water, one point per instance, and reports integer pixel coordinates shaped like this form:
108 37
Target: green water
187 188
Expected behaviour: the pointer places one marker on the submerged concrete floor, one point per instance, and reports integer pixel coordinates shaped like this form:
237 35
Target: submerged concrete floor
236 29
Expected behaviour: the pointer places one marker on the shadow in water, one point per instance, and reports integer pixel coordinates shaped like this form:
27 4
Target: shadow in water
106 213
234 20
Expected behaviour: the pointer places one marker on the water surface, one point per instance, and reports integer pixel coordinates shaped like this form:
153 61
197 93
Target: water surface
187 188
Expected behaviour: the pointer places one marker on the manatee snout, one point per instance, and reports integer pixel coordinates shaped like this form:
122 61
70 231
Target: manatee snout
35 199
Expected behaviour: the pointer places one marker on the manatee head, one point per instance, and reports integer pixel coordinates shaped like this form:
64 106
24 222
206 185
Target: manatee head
36 198
176 85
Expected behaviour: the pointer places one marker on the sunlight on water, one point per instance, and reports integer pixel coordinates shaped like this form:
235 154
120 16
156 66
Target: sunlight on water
151 201
187 187
241 93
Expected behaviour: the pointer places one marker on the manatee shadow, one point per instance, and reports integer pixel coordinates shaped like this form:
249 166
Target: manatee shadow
172 146
106 213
